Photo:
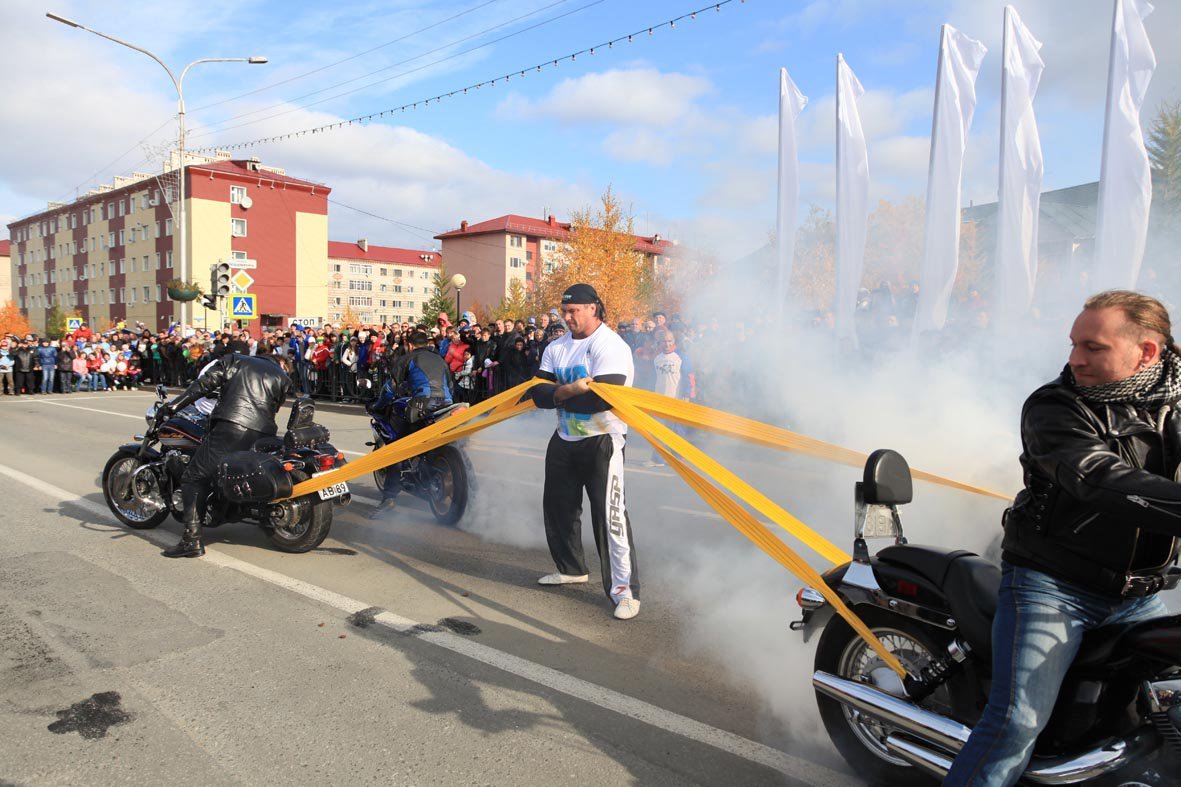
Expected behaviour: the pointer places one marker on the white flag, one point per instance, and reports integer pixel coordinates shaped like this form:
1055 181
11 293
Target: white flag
791 104
1125 177
852 199
1019 194
955 102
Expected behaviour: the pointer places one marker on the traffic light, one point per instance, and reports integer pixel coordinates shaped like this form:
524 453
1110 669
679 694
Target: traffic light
209 302
220 283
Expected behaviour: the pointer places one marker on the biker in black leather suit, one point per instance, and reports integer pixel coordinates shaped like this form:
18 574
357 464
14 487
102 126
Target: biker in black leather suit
250 390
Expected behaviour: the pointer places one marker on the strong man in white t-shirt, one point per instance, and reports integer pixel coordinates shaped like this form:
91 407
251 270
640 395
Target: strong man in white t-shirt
586 451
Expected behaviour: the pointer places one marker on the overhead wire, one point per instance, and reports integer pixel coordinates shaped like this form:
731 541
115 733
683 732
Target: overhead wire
551 62
335 63
448 45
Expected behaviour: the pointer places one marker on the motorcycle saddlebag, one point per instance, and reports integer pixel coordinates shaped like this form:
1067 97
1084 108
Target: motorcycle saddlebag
249 477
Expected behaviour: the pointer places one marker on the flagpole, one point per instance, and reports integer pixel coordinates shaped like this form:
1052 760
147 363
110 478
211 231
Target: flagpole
780 290
998 263
1096 259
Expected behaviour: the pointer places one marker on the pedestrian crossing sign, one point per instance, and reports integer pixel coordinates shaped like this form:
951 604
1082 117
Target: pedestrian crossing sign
73 324
243 307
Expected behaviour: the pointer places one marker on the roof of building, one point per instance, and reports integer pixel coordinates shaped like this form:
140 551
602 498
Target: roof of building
1067 214
542 228
5 248
241 167
346 250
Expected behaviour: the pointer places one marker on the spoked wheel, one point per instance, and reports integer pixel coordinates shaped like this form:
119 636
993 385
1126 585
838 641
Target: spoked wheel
447 484
135 499
859 738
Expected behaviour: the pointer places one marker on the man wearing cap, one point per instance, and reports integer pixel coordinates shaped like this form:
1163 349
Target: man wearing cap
586 451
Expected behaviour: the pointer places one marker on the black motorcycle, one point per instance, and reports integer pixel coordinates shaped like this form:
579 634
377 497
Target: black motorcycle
1118 715
141 481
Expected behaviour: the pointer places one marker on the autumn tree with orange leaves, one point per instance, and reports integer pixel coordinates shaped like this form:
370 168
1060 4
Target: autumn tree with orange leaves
601 252
12 321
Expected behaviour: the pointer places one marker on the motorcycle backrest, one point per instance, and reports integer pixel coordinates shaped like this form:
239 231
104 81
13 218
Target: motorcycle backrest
303 413
887 479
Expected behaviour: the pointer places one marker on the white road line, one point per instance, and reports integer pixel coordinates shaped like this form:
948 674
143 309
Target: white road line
93 410
586 691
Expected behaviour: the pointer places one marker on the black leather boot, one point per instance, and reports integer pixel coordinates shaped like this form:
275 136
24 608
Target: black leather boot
190 543
190 540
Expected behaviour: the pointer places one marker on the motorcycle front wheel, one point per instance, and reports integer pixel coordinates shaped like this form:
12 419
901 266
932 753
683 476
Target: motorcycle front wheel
445 486
136 500
858 738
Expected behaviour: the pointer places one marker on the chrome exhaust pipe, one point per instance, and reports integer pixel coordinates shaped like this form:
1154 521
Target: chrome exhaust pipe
930 741
894 711
918 755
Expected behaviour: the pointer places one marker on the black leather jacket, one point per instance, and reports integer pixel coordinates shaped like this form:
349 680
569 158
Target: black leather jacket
250 391
1101 499
24 359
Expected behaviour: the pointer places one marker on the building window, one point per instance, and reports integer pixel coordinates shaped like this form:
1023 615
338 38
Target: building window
121 265
237 194
396 304
157 229
122 207
143 201
132 295
133 264
238 228
157 293
516 241
397 272
157 260
360 285
167 226
146 266
238 255
336 269
359 300
516 262
397 288
122 295
110 240
147 295
426 275
110 210
362 269
122 238
169 260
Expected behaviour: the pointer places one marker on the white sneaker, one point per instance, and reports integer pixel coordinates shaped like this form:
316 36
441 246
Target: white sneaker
563 579
627 608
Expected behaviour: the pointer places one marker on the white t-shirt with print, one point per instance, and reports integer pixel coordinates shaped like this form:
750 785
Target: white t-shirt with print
569 359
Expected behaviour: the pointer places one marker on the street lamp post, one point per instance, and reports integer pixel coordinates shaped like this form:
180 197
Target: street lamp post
458 281
180 142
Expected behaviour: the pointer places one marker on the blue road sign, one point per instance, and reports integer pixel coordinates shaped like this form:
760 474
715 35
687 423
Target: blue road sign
243 306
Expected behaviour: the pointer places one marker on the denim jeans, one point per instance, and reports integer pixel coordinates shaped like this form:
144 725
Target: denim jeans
1039 626
47 375
97 379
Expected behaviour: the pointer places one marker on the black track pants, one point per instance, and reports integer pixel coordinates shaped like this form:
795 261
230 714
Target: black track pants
596 465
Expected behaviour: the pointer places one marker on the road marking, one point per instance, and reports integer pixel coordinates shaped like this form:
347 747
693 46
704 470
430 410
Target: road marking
92 410
586 691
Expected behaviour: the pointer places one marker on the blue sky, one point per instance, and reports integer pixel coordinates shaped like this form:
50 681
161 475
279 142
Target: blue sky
681 123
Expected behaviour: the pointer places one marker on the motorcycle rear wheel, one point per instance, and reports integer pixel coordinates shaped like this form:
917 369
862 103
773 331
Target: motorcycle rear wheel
843 653
134 507
446 489
308 528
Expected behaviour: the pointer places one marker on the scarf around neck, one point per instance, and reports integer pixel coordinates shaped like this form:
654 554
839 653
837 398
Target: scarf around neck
1158 384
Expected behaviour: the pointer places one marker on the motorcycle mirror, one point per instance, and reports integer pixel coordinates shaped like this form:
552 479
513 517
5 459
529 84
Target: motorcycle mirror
161 391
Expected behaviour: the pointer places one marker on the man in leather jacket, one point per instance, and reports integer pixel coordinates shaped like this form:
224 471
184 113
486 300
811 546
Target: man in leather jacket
1090 539
424 376
250 391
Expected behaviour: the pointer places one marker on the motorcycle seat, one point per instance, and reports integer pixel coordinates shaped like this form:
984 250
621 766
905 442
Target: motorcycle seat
1159 637
971 586
448 409
931 563
268 445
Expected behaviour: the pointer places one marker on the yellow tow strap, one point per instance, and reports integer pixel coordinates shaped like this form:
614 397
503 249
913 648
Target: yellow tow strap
636 408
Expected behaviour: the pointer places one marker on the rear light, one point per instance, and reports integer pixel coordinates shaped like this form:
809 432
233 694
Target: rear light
288 466
326 461
809 598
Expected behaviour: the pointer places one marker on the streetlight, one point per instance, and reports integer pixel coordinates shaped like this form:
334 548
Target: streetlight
458 281
180 144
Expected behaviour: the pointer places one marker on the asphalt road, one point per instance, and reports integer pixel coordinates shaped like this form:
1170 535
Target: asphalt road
401 651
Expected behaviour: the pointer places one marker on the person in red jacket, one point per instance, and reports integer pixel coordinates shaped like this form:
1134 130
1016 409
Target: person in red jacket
455 350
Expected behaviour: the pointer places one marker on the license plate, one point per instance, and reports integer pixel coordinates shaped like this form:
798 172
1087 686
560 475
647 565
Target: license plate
336 490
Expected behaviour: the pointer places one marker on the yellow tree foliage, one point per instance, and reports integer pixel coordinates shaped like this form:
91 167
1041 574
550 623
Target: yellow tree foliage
813 275
12 321
970 274
515 305
894 243
600 252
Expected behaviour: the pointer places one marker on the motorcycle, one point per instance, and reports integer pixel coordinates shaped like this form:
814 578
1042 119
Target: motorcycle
1118 714
442 477
141 481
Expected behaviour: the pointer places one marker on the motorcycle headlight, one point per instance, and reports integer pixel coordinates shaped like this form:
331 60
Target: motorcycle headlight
150 415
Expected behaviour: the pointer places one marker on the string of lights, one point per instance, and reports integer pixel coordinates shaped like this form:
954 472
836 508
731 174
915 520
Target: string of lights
490 83
221 125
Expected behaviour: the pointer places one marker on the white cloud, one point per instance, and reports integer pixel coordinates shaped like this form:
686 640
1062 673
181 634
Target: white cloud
632 96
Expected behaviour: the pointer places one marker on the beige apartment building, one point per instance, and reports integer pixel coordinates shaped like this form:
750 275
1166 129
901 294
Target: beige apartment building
492 254
379 284
108 256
